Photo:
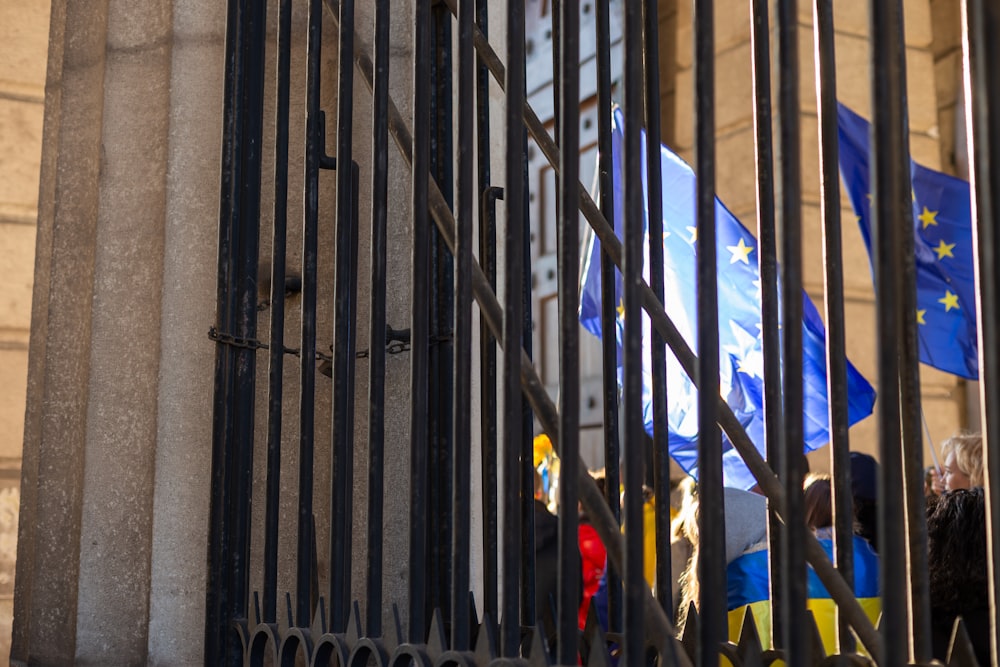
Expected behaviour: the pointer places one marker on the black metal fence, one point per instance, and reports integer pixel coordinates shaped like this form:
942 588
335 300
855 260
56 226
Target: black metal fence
453 200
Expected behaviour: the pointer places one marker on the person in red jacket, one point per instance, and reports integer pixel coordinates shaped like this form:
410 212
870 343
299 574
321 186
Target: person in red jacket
593 557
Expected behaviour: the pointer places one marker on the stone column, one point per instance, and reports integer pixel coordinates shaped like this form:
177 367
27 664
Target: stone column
118 426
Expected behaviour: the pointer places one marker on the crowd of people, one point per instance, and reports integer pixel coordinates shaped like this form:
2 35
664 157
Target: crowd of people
957 549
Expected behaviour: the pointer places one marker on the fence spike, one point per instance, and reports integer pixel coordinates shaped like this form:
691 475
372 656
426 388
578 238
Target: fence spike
397 627
436 640
538 655
689 640
354 634
749 647
960 651
817 649
486 642
595 642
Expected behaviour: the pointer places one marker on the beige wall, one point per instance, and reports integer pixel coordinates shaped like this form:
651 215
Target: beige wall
24 30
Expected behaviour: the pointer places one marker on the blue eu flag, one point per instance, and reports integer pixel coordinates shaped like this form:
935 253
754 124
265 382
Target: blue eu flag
741 357
942 230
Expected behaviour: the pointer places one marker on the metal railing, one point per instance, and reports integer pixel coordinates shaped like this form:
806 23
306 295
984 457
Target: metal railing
453 202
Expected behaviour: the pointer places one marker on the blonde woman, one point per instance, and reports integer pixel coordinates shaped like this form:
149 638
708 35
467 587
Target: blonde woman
963 463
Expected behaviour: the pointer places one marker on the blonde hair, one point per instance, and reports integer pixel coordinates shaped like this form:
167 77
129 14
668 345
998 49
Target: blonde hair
685 527
968 450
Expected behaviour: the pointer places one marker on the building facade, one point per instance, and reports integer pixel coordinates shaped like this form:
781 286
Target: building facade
112 292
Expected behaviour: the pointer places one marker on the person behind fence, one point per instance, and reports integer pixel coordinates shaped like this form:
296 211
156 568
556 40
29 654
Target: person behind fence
748 585
547 562
963 463
929 476
593 555
746 533
864 495
956 561
680 544
818 504
546 554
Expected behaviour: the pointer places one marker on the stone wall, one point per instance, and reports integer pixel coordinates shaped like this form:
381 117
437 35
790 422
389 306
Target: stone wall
24 30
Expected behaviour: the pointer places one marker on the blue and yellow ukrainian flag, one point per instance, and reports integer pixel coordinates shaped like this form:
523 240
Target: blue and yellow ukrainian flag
748 586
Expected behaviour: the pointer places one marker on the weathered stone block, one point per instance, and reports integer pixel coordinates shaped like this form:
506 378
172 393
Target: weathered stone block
733 94
948 77
24 34
856 266
731 22
13 380
946 19
20 151
17 260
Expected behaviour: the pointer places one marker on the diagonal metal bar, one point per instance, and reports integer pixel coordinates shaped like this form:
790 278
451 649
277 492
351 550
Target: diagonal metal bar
545 410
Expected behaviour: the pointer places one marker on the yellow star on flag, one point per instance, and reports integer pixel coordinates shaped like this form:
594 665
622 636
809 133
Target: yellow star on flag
920 317
944 250
927 218
621 308
740 252
949 301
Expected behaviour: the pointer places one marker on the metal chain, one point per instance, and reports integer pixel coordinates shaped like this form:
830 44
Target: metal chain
395 347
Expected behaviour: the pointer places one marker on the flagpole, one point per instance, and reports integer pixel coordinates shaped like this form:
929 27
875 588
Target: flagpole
930 443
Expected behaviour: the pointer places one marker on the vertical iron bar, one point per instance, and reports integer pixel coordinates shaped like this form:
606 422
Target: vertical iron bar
419 330
555 17
711 524
609 343
463 329
247 233
790 231
528 611
376 330
836 343
442 305
236 368
568 221
529 615
488 370
911 415
913 456
658 354
277 349
891 198
314 150
514 196
768 267
487 342
342 473
980 26
219 598
635 436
